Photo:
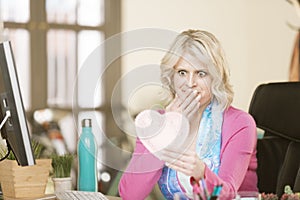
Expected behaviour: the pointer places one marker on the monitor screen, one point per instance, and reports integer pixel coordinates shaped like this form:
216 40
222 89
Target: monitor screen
15 130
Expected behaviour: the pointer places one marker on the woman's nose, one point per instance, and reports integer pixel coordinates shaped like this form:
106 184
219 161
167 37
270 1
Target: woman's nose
191 81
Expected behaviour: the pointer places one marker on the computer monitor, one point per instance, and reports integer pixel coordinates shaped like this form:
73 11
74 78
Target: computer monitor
12 113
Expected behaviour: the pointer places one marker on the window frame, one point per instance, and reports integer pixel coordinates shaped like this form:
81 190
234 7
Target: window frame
37 27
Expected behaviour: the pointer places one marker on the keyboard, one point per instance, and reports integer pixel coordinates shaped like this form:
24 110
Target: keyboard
80 195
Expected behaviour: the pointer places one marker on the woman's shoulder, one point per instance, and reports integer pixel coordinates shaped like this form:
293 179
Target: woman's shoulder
233 114
238 122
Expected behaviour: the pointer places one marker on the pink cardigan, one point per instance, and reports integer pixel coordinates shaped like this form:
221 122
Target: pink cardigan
237 171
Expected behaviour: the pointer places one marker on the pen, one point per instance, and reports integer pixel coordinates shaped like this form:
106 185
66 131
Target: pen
216 192
206 195
219 189
196 189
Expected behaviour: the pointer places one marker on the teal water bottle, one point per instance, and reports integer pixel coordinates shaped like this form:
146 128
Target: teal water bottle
87 158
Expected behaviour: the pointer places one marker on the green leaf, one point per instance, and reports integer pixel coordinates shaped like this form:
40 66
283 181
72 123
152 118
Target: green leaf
62 165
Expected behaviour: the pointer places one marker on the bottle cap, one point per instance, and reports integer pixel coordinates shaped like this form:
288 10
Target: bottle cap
86 123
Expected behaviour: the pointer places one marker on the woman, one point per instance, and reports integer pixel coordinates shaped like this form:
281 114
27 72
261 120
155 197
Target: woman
221 148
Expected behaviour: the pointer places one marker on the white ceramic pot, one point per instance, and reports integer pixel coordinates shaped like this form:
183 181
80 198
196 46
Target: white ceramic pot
62 184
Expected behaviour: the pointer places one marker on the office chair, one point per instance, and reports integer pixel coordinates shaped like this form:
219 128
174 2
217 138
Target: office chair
275 108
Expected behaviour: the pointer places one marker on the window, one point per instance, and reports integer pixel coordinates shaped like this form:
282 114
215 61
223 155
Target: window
52 42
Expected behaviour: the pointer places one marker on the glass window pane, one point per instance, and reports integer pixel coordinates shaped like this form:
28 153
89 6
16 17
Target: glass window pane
61 11
20 44
62 69
14 10
91 12
90 59
97 128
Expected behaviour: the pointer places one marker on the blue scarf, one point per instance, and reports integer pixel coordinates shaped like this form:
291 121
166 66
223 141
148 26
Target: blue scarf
208 149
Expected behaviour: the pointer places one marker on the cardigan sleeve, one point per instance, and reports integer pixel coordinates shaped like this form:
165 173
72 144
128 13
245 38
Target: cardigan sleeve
238 156
141 175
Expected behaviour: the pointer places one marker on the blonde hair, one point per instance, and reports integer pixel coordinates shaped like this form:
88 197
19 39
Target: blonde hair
201 44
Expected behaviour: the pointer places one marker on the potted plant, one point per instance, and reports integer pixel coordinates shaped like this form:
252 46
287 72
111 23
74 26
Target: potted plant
24 182
62 165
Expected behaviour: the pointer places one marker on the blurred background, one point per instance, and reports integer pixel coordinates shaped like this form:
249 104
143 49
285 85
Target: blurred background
72 64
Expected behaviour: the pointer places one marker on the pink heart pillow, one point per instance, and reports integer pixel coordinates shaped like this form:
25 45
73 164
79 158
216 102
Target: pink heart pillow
159 131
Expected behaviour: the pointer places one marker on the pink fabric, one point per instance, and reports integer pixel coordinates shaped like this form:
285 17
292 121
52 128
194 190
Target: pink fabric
238 161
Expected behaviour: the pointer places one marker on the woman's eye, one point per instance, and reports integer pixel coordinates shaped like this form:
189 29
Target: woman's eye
202 73
182 72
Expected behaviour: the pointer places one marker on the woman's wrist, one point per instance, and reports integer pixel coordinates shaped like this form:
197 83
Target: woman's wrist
200 173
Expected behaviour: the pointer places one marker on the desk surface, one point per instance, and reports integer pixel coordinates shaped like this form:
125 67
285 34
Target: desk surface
52 197
113 198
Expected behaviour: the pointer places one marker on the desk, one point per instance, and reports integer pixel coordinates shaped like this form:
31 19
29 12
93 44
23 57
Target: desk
52 197
113 198
49 194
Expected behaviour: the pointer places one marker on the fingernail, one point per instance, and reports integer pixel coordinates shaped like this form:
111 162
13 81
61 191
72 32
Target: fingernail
195 91
198 97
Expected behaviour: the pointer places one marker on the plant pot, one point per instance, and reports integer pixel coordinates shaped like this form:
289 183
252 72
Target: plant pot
24 182
62 184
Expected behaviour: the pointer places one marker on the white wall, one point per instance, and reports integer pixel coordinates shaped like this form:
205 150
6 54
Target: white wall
255 35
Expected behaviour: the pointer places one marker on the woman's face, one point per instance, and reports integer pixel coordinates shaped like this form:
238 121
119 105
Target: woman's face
193 73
